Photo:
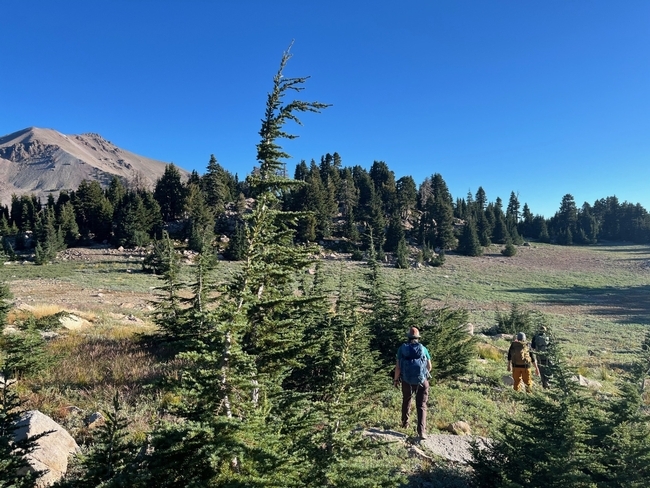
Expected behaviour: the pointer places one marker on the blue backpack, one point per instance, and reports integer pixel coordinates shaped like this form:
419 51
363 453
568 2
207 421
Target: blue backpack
413 363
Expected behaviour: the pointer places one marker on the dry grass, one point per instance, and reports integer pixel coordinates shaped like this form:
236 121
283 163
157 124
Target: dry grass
91 365
44 310
488 351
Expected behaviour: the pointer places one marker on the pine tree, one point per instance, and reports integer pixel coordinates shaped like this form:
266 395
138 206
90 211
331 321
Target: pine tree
216 183
201 220
94 212
15 471
451 347
443 214
394 232
236 250
469 244
500 231
483 229
68 224
236 409
111 461
170 194
384 331
509 250
402 255
49 240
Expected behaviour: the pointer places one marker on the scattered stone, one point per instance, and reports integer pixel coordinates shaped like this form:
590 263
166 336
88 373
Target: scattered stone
460 427
507 380
582 381
73 410
49 334
470 329
496 337
72 322
95 420
121 249
311 271
52 451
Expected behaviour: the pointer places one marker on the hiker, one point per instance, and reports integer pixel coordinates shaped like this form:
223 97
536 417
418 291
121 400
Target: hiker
539 345
412 370
520 359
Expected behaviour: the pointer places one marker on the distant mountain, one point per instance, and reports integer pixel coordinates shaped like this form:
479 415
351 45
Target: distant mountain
44 161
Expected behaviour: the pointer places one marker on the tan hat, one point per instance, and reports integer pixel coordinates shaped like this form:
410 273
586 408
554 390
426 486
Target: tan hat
413 333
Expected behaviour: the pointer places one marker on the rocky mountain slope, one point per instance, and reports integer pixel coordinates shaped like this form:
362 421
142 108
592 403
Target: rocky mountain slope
44 161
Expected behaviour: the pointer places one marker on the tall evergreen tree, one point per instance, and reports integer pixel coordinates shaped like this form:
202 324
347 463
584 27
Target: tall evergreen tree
469 243
402 254
394 232
443 213
236 407
170 194
201 220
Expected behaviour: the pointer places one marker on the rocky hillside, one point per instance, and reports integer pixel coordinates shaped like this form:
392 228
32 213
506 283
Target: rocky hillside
44 161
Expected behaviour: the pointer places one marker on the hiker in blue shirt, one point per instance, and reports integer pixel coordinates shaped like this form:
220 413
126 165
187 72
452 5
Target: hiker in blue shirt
412 370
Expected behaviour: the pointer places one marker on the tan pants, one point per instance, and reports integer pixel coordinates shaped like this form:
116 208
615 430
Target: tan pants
522 374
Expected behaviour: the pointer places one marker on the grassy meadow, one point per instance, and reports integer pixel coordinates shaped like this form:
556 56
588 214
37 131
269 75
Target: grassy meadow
597 299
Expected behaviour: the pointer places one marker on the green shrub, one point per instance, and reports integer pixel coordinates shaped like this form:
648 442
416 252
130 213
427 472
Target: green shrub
510 250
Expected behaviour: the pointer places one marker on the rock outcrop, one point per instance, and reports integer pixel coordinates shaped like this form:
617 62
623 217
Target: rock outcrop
53 449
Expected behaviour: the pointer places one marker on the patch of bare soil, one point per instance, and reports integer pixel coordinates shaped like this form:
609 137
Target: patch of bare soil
72 296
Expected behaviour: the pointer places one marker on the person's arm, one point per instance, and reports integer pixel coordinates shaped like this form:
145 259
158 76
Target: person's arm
397 374
509 359
533 358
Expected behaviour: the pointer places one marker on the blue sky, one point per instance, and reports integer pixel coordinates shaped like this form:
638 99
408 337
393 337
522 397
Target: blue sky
540 98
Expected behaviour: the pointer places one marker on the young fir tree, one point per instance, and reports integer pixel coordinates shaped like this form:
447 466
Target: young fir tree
165 261
383 329
49 239
112 458
336 449
449 344
201 220
13 452
509 250
15 470
237 245
394 232
402 255
469 244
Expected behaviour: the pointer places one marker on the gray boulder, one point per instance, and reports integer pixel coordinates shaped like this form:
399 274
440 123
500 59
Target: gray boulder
52 450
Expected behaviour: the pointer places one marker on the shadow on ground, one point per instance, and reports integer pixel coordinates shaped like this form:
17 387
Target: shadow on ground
624 305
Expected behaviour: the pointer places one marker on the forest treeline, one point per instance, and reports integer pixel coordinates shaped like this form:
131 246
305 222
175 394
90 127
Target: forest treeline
349 204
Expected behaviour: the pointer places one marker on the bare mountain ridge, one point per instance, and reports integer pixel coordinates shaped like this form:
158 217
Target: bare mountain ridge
44 161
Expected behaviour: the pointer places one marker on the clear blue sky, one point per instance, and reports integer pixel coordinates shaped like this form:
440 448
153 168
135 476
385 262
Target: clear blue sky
540 98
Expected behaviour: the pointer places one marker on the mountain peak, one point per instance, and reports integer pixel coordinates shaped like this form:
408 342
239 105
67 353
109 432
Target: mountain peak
45 161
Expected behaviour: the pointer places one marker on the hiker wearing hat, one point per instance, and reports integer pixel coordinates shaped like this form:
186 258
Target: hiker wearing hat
539 345
520 360
412 370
